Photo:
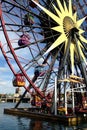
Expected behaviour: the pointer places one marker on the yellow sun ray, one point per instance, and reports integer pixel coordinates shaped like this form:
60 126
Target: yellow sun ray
75 16
59 40
60 6
81 31
72 57
79 22
65 7
80 44
58 12
70 7
58 29
83 39
65 45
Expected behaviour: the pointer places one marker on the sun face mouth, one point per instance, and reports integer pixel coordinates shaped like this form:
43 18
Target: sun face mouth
68 24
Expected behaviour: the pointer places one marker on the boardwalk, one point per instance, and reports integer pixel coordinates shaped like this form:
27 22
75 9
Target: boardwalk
13 99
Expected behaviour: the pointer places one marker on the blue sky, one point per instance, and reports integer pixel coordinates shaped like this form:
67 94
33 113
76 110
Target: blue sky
5 77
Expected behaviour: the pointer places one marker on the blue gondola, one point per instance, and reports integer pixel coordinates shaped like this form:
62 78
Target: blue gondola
24 40
39 71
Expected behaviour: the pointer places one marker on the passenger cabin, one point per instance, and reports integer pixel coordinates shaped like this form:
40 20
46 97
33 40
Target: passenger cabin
28 19
32 4
19 80
84 102
39 71
24 40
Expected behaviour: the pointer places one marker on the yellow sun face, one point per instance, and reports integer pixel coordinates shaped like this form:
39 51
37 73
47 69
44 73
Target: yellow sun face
66 21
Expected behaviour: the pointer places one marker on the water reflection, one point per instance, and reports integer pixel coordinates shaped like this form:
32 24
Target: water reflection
35 125
42 125
22 123
9 122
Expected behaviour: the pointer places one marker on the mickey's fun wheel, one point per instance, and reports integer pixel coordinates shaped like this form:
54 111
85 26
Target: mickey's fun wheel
43 40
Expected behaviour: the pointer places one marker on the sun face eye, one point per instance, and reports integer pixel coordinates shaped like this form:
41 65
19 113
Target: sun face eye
68 24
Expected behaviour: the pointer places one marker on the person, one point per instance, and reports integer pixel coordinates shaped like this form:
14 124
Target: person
33 103
43 106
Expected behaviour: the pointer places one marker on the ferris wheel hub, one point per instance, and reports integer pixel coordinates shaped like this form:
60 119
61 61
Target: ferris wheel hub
68 25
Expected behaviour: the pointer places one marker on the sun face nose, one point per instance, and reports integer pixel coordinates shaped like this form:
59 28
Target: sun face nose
68 24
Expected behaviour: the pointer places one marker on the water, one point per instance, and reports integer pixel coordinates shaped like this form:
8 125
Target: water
9 122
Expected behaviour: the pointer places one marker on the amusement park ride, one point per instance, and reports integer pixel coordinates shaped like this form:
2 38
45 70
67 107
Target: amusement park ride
46 39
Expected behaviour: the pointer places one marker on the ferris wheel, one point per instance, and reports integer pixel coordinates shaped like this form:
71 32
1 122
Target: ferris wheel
42 40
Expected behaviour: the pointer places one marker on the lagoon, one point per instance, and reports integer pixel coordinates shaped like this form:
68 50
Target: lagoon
10 122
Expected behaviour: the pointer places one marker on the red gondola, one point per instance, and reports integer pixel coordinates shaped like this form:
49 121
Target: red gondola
19 80
32 4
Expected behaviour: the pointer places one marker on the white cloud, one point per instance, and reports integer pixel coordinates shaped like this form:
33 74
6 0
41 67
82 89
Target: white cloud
3 69
6 86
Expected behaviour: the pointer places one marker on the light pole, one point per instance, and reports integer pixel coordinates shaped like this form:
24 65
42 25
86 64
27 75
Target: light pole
55 96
